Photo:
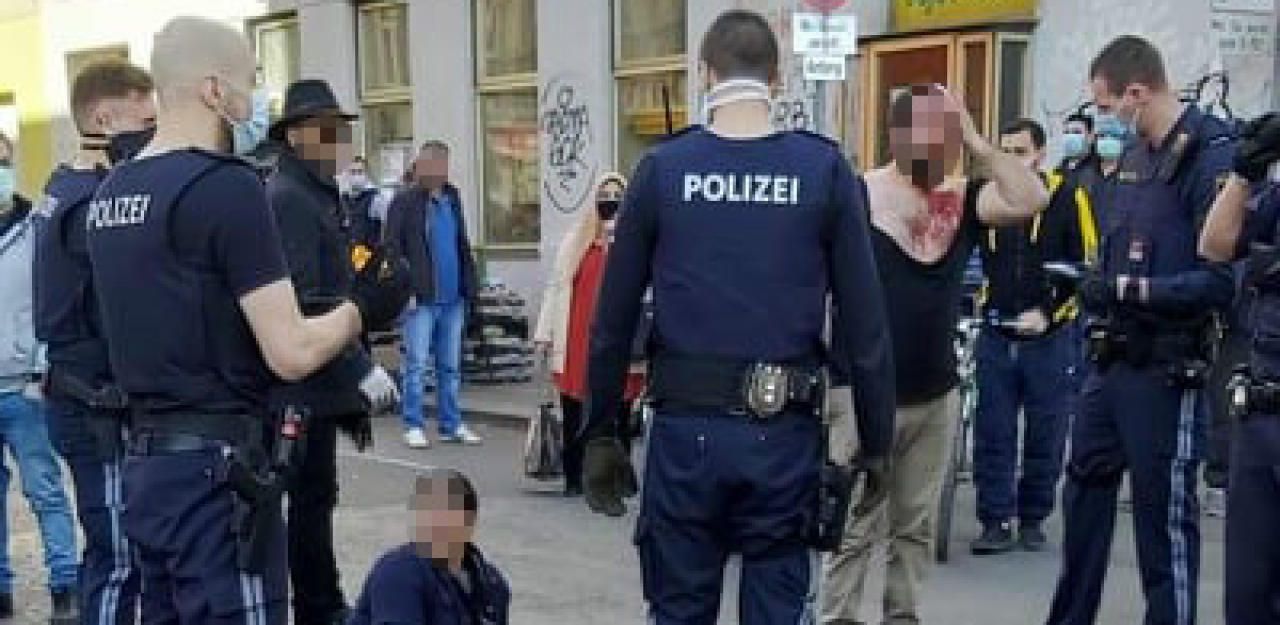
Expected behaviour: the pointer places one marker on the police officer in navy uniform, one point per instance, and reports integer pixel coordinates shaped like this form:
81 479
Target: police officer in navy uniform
200 315
1245 225
314 137
1152 298
743 233
366 204
112 106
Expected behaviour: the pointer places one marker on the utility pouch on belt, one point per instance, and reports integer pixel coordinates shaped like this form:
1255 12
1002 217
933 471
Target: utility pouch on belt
1250 398
259 487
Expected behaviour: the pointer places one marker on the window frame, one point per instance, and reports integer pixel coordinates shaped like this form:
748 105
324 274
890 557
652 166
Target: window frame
278 21
997 78
640 68
382 96
489 86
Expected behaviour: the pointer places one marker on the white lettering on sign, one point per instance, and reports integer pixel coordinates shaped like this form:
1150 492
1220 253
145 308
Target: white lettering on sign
1243 34
1247 6
832 35
824 68
742 189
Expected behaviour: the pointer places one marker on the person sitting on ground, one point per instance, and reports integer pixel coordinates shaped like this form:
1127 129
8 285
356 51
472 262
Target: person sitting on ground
440 576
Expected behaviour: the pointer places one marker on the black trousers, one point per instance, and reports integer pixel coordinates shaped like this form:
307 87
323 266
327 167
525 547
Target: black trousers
571 411
1234 352
313 568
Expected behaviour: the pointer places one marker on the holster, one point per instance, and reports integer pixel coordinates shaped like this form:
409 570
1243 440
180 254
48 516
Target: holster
106 404
1185 354
259 487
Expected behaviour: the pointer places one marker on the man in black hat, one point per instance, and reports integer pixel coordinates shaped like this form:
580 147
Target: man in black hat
314 141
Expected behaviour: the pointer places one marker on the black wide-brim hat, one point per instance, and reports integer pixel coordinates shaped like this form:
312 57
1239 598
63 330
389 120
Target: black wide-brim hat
304 100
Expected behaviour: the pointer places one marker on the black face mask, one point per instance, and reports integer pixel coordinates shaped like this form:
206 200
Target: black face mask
126 145
607 209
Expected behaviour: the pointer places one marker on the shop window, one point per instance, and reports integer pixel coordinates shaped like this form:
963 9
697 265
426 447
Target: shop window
650 29
387 106
506 72
652 83
278 46
1013 79
507 42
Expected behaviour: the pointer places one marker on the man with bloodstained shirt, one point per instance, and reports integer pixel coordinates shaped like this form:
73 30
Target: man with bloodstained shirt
926 224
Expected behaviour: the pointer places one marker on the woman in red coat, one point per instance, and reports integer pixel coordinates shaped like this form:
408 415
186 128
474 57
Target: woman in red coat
568 304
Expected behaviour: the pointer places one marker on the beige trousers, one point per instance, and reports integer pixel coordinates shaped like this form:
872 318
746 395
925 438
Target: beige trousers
904 522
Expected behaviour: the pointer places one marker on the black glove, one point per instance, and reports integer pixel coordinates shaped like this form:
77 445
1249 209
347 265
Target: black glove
875 485
1259 147
359 428
1096 291
608 477
381 291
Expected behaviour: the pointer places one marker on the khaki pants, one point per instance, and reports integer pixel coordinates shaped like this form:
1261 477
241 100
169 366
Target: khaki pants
922 438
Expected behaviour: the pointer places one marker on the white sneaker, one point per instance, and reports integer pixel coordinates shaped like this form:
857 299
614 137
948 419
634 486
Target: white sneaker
462 436
415 438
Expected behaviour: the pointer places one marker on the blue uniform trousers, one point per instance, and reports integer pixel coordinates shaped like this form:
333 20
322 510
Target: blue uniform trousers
1035 378
1135 420
1253 527
179 514
720 484
109 579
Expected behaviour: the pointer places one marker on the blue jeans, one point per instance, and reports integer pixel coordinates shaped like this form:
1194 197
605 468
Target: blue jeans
433 330
1032 377
23 430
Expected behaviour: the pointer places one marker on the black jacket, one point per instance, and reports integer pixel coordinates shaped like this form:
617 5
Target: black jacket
406 236
1013 260
312 223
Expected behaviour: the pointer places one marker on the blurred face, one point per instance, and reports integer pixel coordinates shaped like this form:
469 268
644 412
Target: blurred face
931 145
440 521
1022 146
432 168
132 113
324 142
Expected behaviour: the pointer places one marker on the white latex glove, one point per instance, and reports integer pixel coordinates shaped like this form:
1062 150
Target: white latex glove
1032 323
33 391
379 389
843 433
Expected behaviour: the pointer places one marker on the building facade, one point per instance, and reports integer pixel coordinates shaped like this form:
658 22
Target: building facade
539 97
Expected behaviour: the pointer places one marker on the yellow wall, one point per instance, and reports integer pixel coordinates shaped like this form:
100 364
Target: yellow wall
22 74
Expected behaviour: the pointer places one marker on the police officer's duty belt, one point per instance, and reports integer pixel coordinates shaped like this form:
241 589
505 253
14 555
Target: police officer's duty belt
757 389
1249 398
186 432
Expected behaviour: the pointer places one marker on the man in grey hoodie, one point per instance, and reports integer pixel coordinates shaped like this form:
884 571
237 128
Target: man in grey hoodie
22 419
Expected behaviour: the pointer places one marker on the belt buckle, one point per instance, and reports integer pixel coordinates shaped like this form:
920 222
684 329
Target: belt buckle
767 390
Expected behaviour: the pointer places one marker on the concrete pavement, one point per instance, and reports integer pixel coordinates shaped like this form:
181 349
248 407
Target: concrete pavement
569 567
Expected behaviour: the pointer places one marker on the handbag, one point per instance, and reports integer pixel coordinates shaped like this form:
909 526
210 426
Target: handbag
544 440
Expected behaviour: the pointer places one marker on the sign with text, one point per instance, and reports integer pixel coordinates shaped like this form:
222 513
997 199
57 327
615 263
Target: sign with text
926 14
824 35
1243 34
1245 6
824 68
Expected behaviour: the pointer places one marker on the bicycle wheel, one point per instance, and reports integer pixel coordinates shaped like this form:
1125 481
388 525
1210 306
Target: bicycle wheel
947 498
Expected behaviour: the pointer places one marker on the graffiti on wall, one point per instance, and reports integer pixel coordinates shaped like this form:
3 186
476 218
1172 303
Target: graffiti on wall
569 151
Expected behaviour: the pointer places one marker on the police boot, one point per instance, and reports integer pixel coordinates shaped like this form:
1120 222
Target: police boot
995 538
65 609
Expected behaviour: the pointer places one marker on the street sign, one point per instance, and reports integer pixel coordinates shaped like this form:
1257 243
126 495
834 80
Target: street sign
824 35
824 68
1245 6
826 6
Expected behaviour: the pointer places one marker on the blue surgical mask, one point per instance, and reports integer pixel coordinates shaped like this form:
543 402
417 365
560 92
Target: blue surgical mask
8 184
247 134
1074 145
1110 148
1109 124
